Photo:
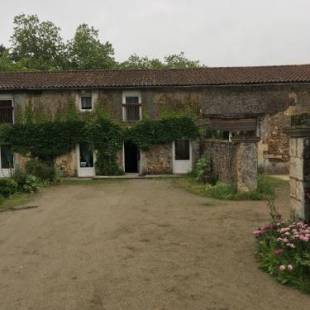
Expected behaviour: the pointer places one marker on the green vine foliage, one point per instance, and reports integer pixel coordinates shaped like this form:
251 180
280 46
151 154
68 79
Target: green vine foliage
152 132
44 141
107 139
50 139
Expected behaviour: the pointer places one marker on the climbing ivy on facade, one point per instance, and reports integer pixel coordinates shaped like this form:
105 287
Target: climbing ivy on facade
50 139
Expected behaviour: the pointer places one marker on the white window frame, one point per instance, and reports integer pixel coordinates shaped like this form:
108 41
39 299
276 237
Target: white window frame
131 94
6 172
85 172
85 94
9 97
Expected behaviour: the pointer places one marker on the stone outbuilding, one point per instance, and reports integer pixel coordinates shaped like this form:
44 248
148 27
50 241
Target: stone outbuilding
256 101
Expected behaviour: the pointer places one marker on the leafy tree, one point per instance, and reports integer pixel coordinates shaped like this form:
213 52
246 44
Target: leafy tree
179 61
6 62
85 51
174 61
137 62
38 45
35 44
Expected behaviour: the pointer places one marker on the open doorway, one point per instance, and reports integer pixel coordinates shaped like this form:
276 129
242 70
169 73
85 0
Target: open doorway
131 157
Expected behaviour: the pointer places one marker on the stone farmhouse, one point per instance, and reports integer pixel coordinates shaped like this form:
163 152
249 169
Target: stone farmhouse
257 101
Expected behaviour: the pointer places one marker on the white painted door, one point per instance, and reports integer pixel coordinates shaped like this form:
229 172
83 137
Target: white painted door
182 156
86 160
6 161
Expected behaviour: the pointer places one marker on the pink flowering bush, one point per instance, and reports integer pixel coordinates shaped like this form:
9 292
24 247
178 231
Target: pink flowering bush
284 252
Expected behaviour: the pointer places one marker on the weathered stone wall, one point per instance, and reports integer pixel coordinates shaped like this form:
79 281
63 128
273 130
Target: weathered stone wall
246 166
222 156
157 160
300 176
45 103
67 164
273 148
234 162
160 101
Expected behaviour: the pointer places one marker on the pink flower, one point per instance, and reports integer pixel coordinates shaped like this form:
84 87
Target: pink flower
282 268
278 252
290 267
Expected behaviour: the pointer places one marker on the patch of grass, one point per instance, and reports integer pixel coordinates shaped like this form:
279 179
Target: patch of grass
15 200
274 181
266 186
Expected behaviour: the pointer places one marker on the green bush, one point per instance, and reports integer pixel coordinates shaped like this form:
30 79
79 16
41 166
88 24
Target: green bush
25 183
43 171
8 187
201 168
203 171
31 184
107 165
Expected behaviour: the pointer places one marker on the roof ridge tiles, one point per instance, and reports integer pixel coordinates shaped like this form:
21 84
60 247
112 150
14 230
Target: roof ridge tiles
105 78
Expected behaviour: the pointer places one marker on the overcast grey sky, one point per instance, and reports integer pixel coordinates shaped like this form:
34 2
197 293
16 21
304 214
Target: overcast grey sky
217 32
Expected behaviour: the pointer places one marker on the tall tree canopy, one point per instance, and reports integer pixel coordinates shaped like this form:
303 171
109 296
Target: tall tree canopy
174 61
178 61
85 51
137 62
38 45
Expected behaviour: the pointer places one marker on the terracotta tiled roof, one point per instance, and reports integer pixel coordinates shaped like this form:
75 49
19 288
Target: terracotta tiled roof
153 78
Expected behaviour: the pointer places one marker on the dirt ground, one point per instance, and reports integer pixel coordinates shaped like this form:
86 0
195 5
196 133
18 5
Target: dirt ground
136 244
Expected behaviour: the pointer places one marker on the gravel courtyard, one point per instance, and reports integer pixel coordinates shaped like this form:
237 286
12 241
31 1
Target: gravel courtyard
136 244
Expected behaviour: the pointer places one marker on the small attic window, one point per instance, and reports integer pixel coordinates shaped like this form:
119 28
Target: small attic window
86 101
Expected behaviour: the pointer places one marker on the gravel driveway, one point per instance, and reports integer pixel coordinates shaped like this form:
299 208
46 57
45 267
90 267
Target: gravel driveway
135 244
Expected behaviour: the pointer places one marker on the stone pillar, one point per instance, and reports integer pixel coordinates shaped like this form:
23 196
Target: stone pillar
300 172
246 163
